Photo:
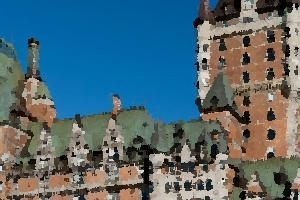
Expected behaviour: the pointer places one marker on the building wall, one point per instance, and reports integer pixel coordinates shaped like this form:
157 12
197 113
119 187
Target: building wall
258 65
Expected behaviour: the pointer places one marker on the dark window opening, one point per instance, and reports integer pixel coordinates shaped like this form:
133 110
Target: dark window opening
271 134
187 186
246 117
247 19
243 149
214 151
222 46
177 186
209 185
270 74
296 70
286 70
246 59
204 64
296 6
168 187
214 101
205 47
246 133
287 32
270 14
270 155
246 77
287 51
271 115
243 195
296 51
281 11
246 101
201 185
222 63
246 41
270 54
225 23
270 36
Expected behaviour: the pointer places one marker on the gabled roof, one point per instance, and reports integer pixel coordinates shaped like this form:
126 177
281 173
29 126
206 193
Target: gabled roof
221 91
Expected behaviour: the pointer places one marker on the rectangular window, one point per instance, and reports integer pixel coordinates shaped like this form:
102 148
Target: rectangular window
270 36
296 51
205 47
270 54
270 74
270 97
246 41
246 77
204 64
222 46
225 23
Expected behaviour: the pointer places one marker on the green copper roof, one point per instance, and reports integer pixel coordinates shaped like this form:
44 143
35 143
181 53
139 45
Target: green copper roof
220 89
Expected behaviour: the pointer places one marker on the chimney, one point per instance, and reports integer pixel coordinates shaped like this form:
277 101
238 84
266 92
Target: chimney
205 12
33 57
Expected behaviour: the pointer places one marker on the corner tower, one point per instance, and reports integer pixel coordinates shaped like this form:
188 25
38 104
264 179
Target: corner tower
247 67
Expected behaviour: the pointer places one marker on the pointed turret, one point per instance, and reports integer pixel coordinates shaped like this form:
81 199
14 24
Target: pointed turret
45 152
112 145
77 151
36 94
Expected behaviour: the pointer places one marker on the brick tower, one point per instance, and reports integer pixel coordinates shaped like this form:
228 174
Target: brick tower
247 64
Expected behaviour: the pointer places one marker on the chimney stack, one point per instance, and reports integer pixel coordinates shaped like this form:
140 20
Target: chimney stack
33 57
205 12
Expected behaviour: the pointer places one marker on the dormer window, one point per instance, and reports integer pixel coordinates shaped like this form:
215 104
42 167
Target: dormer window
225 23
270 14
248 4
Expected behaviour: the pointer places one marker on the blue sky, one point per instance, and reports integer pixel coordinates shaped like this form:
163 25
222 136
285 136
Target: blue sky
142 50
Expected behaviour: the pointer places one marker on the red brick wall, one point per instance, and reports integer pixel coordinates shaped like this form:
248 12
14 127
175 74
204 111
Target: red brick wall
257 51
